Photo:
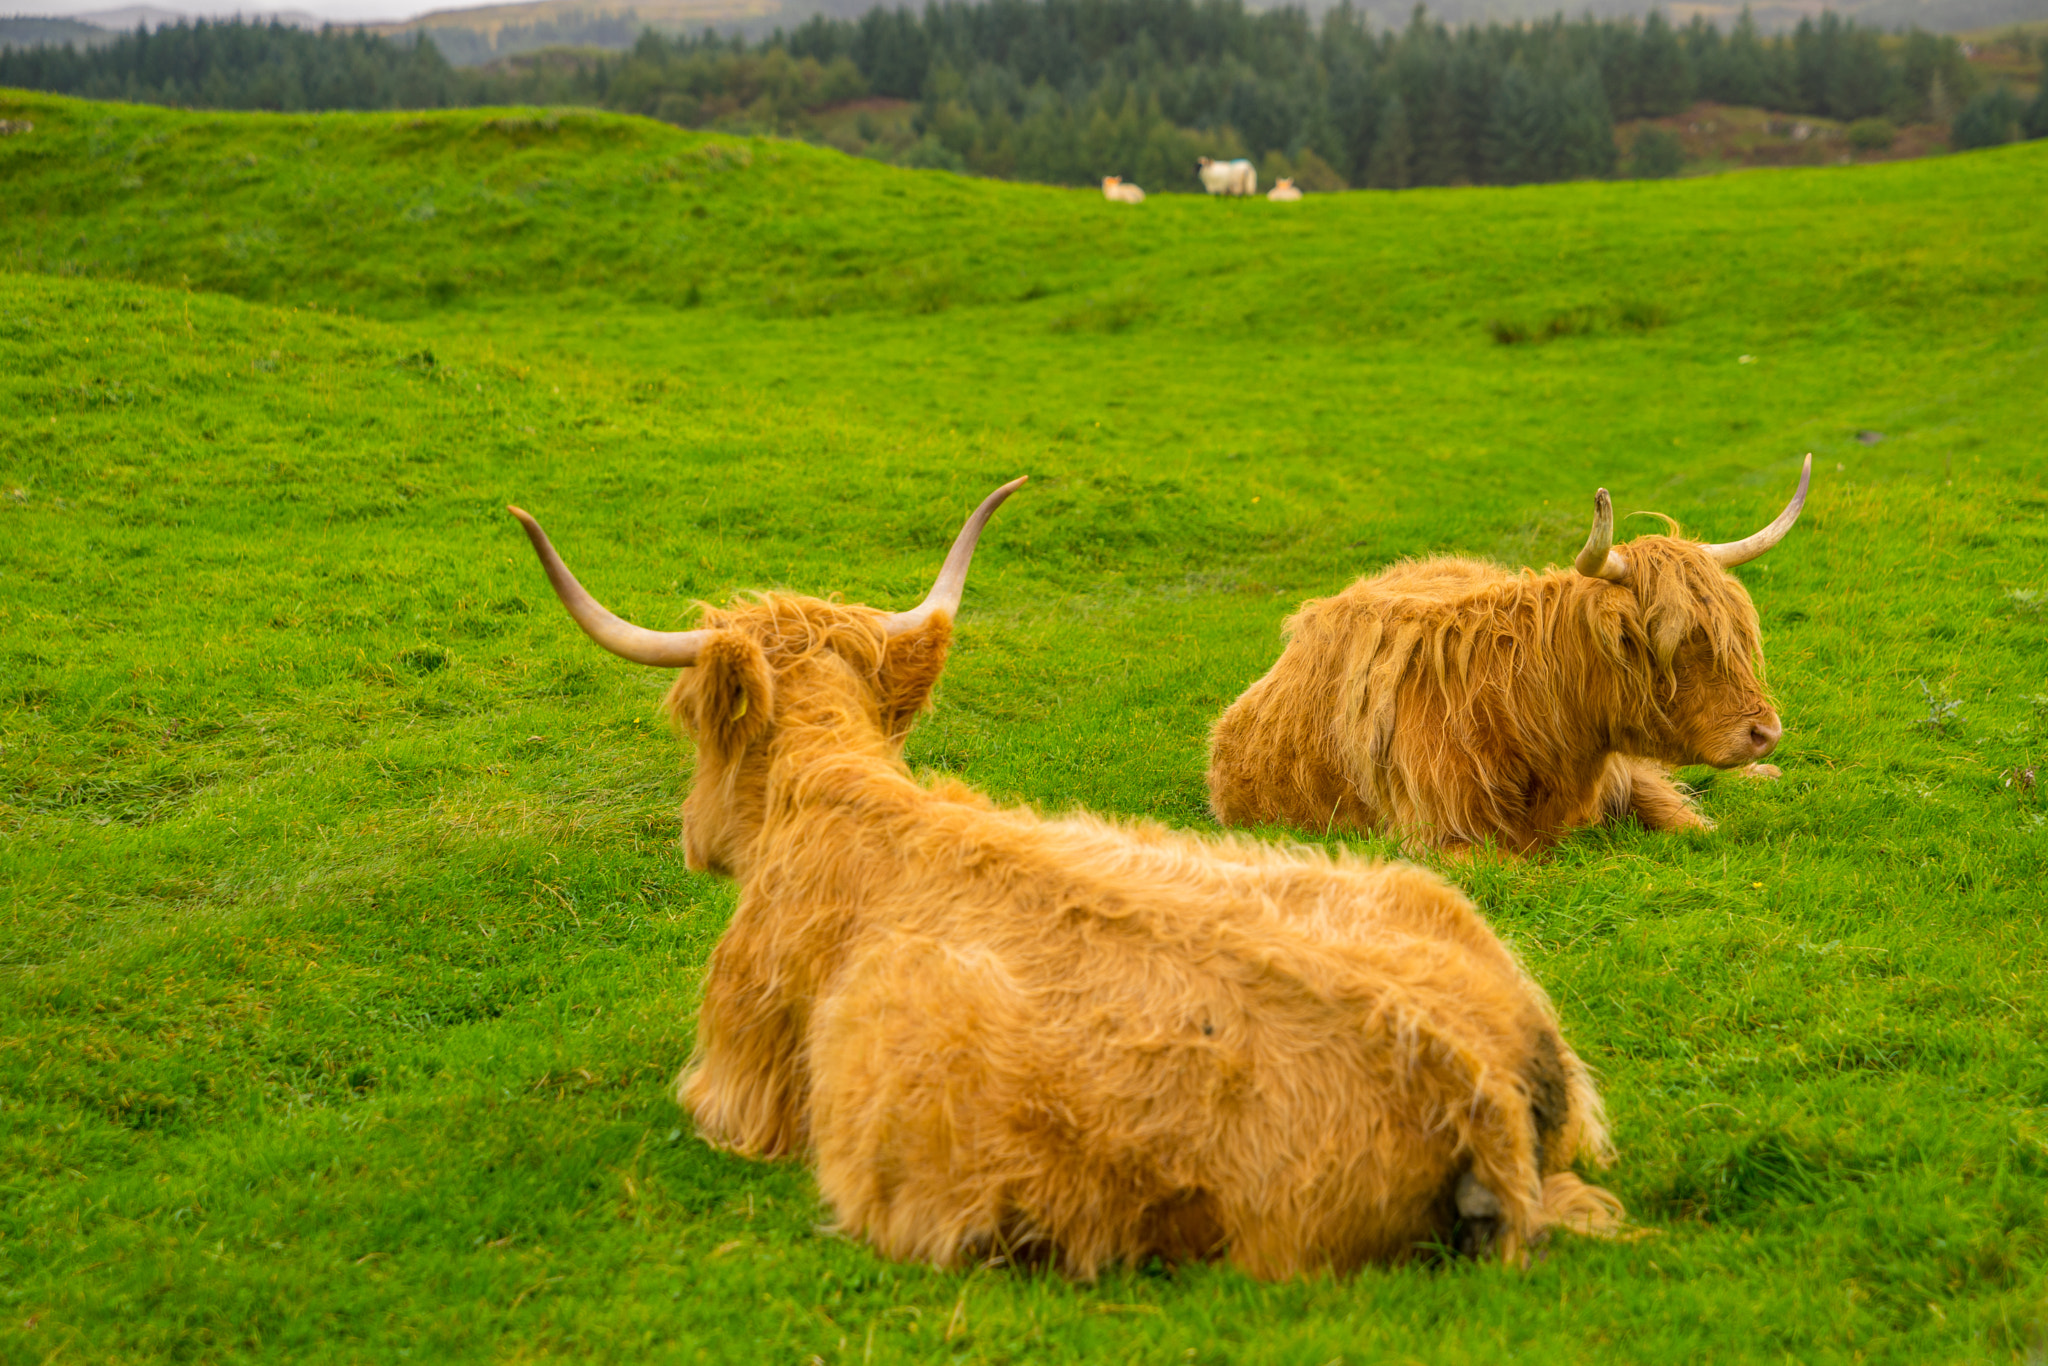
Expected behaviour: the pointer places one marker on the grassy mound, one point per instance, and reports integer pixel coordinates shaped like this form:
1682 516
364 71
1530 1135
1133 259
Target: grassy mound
348 950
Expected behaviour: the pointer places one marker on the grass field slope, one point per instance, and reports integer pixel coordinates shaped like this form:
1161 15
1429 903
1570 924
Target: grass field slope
346 947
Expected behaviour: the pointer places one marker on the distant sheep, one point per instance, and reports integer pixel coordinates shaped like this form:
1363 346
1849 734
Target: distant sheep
1114 190
1227 177
1282 192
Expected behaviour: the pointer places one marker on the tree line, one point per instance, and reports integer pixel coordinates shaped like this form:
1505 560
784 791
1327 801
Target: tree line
1064 91
238 65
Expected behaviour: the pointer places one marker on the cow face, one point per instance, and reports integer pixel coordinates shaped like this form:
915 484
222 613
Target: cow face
1722 714
1700 629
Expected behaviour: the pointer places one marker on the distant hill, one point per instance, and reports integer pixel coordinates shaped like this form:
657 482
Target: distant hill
37 32
1770 15
127 18
1936 16
663 14
471 37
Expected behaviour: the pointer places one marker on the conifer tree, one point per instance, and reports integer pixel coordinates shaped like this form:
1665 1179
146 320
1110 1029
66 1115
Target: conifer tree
1471 81
1440 153
1664 79
1741 76
2035 123
1585 132
1514 141
1387 168
1991 120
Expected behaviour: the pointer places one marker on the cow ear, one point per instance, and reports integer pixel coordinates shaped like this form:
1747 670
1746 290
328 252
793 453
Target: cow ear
911 670
728 697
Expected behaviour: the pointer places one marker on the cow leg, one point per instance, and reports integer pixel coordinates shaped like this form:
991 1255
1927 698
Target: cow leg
745 1084
1642 788
1766 772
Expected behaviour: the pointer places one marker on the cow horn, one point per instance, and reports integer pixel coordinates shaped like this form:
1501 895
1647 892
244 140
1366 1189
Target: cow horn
1732 553
945 594
1599 560
667 649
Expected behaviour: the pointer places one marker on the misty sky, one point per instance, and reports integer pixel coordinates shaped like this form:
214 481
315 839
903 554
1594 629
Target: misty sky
326 9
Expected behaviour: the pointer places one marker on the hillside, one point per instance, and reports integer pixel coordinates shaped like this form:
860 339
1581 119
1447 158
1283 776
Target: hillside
676 14
349 951
1016 94
486 33
466 34
448 215
19 32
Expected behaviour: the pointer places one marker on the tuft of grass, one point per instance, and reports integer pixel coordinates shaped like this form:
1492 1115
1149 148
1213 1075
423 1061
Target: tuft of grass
1632 315
1116 311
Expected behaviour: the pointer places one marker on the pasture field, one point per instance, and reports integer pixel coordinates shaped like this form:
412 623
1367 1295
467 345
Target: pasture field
348 952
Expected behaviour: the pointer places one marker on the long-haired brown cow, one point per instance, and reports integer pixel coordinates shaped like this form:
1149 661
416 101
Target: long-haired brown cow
1455 703
997 1033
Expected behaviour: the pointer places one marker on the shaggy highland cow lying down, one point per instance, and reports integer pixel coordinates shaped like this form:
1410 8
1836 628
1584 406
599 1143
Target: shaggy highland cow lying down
1000 1034
1456 703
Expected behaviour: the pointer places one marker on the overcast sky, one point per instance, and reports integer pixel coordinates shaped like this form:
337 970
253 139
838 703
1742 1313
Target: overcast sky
325 9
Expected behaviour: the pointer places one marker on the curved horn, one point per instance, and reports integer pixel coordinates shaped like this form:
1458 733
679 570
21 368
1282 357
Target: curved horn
945 594
1732 553
1598 560
668 649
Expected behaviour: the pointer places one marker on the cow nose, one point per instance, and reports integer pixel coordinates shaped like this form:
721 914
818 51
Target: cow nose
1764 736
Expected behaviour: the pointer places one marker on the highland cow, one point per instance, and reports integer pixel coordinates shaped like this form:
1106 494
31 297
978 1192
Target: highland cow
1072 1040
1456 704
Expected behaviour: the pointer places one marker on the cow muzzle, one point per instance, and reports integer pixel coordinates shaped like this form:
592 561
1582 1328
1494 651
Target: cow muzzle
1737 744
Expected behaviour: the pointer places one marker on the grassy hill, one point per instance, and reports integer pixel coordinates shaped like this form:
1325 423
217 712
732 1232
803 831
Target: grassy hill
348 951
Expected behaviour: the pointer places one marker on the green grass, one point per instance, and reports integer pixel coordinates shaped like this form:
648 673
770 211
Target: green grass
347 949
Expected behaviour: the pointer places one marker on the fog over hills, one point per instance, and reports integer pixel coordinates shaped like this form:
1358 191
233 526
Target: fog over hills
127 18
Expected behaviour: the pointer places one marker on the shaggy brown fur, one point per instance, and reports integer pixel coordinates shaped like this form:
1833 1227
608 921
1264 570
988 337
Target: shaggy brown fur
1456 703
1000 1034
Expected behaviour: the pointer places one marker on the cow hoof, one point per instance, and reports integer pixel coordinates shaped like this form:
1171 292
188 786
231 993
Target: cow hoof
1762 771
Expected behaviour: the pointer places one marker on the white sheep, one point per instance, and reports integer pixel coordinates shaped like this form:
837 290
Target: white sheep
1227 177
